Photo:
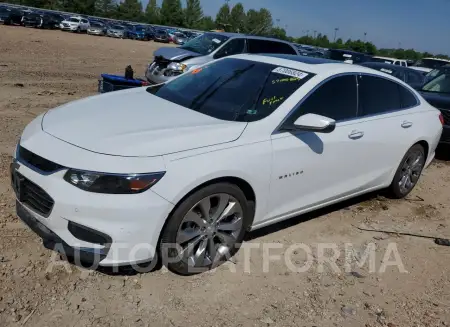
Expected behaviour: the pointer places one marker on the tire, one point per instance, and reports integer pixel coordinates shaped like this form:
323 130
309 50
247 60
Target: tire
217 240
408 172
78 29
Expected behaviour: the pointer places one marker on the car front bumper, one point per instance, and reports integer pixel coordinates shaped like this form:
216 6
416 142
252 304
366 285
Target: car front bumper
68 28
131 224
95 32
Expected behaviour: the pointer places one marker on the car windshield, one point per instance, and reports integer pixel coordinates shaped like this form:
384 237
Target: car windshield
161 32
180 35
117 27
205 43
95 24
441 84
430 63
73 20
216 89
139 28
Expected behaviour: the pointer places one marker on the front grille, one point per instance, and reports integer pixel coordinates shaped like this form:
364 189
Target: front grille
36 161
36 198
446 115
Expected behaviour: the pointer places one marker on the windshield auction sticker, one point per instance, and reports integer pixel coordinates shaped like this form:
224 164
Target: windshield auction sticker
290 72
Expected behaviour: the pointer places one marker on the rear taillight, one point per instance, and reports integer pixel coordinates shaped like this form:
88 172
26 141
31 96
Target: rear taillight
441 118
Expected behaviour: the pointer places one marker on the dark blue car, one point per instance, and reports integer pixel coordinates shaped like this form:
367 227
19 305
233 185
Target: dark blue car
140 32
437 93
413 78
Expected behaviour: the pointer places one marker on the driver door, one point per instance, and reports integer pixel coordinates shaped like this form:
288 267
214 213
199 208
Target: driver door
310 168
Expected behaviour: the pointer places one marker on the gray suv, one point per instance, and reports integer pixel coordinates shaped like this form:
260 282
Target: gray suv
170 61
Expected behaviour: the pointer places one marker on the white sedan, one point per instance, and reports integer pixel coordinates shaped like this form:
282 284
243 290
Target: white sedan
238 144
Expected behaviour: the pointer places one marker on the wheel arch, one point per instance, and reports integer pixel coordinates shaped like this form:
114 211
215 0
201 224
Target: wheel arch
244 185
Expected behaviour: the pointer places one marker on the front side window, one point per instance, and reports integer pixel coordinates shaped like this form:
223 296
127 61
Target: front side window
414 78
335 99
233 47
377 95
233 89
266 46
206 43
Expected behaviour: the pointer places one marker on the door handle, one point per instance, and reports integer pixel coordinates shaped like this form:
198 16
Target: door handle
407 124
356 134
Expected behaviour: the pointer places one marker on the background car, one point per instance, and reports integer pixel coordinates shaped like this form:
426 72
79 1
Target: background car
75 24
13 17
117 31
40 20
437 93
179 38
410 76
140 32
161 36
170 62
348 56
97 28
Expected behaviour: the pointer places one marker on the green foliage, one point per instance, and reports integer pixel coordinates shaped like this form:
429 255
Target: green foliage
223 18
193 14
130 10
152 13
207 24
238 18
171 13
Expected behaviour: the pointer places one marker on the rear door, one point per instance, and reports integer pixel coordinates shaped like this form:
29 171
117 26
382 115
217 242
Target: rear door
385 113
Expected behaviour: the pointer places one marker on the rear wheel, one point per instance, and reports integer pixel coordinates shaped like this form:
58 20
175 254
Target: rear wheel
206 227
408 172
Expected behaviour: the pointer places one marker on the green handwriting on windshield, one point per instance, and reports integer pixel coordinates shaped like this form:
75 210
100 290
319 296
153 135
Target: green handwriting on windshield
272 100
285 80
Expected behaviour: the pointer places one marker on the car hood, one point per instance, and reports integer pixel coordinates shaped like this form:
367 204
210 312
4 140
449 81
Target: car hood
135 123
438 100
175 54
115 31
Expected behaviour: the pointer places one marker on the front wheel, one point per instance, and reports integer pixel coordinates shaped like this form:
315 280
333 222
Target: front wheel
205 228
408 172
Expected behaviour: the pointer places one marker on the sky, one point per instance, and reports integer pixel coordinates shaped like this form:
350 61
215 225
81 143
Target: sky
419 24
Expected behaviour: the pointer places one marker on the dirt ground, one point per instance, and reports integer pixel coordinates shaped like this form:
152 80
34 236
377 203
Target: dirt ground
42 69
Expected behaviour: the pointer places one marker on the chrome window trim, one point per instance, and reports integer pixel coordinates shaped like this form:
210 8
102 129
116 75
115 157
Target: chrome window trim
356 74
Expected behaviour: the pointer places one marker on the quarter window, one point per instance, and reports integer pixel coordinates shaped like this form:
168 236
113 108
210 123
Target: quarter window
408 100
377 95
336 99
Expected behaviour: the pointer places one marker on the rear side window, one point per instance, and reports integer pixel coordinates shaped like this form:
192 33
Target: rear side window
234 46
336 99
407 99
233 89
377 95
266 46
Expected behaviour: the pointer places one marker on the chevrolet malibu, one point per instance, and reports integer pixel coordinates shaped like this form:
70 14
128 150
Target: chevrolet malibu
232 146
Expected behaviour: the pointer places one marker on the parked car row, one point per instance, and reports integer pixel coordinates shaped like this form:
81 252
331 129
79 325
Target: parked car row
99 26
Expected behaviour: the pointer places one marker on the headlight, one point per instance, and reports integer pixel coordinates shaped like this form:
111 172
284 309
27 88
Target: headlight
112 183
177 66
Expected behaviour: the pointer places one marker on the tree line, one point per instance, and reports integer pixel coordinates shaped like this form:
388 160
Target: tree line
229 18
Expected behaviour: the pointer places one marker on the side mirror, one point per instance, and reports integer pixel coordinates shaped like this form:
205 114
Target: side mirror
314 123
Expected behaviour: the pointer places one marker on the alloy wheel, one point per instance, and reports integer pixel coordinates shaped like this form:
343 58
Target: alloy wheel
210 229
411 170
